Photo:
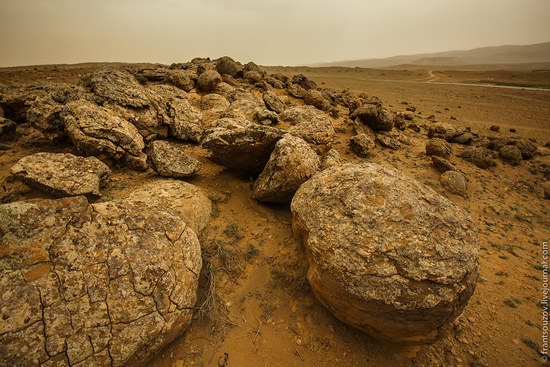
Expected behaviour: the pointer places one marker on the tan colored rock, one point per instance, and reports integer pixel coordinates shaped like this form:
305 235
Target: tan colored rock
291 164
169 160
481 157
62 174
96 130
189 201
312 125
375 116
329 159
387 255
454 182
438 147
315 98
107 284
273 102
442 164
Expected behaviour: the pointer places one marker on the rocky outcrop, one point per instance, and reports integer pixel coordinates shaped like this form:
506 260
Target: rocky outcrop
62 174
95 130
329 159
170 161
240 145
107 284
310 124
291 164
387 254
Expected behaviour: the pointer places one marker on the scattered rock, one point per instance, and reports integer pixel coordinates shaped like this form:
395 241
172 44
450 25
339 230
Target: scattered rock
310 124
315 98
387 255
454 182
209 80
253 77
464 138
481 157
443 165
170 161
95 130
387 140
242 109
511 154
442 131
8 129
495 128
438 147
241 145
295 90
362 145
266 117
329 159
273 102
105 284
291 164
304 82
375 116
61 174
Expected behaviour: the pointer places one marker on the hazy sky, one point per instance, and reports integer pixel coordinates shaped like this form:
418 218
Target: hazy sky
270 32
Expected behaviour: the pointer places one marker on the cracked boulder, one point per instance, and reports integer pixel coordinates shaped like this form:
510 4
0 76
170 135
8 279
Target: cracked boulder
62 174
107 284
169 160
310 124
292 163
387 255
481 157
96 130
241 145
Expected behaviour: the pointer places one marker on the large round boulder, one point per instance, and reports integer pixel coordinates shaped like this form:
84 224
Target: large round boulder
107 284
387 255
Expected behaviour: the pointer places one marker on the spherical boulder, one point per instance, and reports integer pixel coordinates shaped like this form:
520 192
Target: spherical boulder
387 255
209 80
511 154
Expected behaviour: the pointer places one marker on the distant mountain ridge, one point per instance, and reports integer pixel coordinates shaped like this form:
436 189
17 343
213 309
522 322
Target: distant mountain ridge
509 54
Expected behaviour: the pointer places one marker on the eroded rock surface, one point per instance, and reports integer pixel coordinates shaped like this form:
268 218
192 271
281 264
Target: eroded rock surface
61 174
291 164
170 161
107 284
387 254
95 130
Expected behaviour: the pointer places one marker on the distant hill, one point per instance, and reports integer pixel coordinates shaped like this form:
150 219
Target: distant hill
539 52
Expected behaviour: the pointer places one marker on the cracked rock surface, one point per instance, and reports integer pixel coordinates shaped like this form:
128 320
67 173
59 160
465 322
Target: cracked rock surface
106 284
62 174
95 130
312 125
387 255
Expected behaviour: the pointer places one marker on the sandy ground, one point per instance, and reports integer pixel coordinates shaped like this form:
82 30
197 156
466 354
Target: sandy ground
256 308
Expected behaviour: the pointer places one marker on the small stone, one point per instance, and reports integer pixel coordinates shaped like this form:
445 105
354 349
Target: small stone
362 145
511 154
495 128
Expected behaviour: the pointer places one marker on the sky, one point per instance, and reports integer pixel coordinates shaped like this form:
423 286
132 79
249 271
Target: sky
268 32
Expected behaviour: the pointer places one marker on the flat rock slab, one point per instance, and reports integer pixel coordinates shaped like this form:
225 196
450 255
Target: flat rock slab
171 161
62 174
107 284
387 254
